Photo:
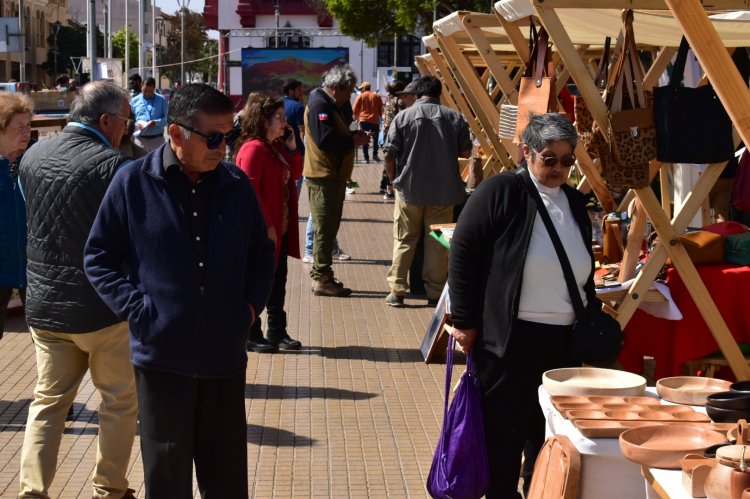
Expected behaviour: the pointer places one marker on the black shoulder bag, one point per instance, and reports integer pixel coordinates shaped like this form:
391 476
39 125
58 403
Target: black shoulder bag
597 337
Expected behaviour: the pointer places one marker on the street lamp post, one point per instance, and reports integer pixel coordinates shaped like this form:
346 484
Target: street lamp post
55 28
183 4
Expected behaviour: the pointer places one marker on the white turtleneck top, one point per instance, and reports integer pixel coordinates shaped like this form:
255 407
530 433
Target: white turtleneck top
544 295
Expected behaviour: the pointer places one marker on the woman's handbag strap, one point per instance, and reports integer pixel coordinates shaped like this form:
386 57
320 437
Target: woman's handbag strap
601 74
570 281
678 69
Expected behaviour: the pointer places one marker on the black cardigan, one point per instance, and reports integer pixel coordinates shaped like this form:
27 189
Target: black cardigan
488 254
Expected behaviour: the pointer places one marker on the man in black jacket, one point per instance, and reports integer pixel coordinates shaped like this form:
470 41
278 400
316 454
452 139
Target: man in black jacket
64 180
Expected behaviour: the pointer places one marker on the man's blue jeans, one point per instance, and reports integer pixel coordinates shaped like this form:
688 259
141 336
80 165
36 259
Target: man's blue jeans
309 238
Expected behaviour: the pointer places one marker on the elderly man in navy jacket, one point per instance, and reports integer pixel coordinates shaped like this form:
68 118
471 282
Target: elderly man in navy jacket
180 249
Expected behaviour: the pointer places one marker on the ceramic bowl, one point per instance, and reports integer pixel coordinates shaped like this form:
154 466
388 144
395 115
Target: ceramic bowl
730 400
691 390
665 445
592 381
740 386
720 415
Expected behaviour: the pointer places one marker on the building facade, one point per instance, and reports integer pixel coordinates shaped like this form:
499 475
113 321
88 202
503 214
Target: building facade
290 24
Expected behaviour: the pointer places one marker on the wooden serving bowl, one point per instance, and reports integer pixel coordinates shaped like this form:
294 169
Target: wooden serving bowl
665 445
691 390
592 381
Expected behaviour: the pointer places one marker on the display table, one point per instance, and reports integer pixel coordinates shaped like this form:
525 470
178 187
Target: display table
672 343
605 473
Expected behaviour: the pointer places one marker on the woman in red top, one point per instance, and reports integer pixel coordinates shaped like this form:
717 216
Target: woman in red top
269 157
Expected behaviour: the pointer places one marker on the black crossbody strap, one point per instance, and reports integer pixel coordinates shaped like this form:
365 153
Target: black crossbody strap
570 281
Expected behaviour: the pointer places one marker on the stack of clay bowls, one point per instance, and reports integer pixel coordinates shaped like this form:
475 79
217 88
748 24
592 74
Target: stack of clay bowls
728 407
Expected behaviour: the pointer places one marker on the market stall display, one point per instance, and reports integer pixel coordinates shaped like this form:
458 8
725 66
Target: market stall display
665 445
691 390
592 381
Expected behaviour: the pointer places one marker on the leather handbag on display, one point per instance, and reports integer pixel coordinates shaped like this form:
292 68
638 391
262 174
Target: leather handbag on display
536 93
590 135
632 133
703 247
460 468
692 125
737 248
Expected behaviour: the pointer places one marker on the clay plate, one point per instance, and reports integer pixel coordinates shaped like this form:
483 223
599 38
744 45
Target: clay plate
665 445
691 390
592 381
592 428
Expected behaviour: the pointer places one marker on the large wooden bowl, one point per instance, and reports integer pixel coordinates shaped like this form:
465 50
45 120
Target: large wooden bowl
664 446
691 390
592 381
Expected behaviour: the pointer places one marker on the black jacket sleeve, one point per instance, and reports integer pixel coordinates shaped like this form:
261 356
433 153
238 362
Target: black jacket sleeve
323 131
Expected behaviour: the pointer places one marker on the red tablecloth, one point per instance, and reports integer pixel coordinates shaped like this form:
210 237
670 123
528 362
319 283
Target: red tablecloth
672 343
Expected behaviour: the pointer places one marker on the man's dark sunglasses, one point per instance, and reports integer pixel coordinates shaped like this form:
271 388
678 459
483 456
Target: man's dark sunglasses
213 140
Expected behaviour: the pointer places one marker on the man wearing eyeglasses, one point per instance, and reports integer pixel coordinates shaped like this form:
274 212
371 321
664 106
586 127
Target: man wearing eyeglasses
190 232
421 158
64 179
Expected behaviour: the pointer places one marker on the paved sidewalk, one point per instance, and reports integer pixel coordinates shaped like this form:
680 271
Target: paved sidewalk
355 413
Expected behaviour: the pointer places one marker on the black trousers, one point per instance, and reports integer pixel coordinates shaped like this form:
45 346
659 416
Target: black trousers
183 419
276 328
513 419
375 129
5 294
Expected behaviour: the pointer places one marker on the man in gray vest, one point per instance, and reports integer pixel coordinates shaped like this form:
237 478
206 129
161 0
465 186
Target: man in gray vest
64 179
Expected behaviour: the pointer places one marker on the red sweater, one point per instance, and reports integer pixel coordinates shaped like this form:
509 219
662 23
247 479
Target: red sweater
265 171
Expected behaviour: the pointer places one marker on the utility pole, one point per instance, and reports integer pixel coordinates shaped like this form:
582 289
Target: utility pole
108 39
141 36
94 74
183 4
277 14
153 40
22 29
127 41
106 29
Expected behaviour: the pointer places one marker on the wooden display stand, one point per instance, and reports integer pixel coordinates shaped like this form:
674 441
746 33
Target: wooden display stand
733 93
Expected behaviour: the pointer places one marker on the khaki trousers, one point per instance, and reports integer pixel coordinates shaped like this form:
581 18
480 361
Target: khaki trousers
408 222
62 360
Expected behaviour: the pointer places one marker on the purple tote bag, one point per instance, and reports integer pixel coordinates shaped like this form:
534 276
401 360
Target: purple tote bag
460 468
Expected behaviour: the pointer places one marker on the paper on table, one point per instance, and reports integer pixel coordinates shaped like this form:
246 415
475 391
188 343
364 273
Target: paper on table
662 309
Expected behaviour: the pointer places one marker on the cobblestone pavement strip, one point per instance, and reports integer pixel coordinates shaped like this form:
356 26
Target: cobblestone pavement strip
355 413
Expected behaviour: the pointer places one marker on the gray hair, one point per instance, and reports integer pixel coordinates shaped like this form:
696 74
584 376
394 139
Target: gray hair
339 77
544 129
95 99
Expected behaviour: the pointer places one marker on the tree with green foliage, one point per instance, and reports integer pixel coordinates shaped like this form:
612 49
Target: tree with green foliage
377 21
196 37
71 42
118 46
208 66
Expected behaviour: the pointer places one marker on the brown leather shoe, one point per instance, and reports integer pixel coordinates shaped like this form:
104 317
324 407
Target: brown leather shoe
327 285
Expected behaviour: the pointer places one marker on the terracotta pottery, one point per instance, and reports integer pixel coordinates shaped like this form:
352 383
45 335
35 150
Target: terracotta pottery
592 381
746 494
725 482
691 390
663 446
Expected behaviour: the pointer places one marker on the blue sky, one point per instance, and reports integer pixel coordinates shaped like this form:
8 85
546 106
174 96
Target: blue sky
172 6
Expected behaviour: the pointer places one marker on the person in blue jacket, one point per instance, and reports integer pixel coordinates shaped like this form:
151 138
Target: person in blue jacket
15 133
180 249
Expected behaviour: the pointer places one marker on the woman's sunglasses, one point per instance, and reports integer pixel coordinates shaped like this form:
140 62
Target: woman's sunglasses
213 140
567 161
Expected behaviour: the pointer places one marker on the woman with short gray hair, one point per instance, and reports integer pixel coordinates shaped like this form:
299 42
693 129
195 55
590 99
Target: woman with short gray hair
509 300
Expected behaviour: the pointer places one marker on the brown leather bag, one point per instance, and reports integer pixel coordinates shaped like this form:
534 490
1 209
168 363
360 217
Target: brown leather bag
703 247
632 132
537 93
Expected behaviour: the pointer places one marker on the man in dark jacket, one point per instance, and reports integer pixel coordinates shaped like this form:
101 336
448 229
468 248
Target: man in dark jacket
180 249
64 180
329 161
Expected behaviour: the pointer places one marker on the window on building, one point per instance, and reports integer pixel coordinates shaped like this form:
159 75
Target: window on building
408 48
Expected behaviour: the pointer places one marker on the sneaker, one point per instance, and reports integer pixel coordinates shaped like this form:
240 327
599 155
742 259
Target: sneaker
327 285
339 254
307 259
376 158
394 300
432 302
351 190
353 184
389 196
